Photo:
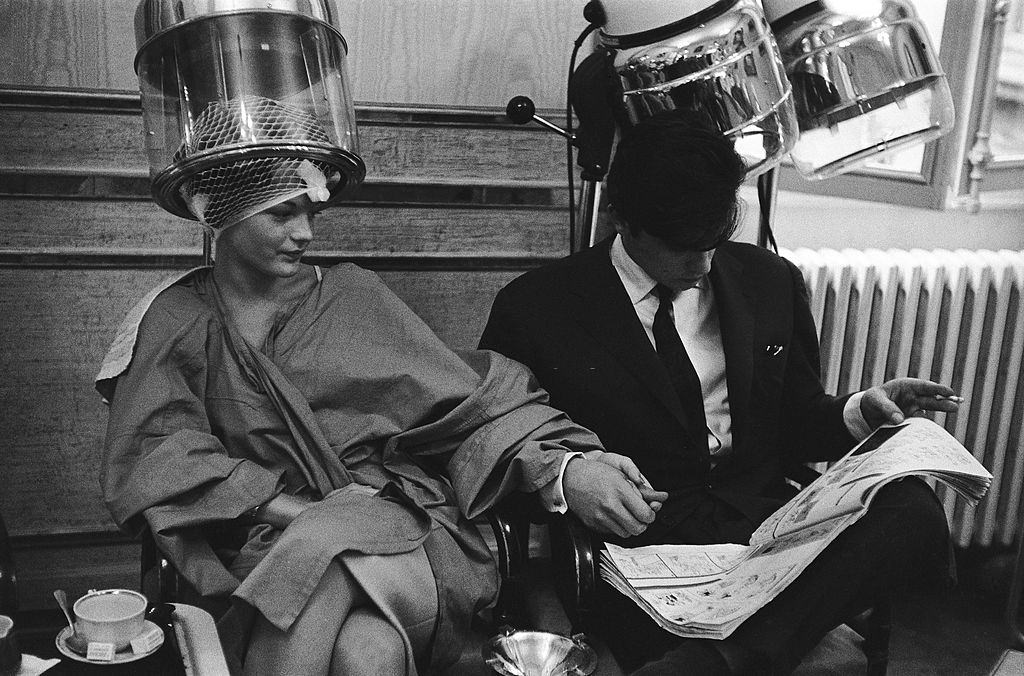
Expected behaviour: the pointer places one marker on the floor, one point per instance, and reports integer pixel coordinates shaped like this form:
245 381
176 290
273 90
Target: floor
962 632
959 633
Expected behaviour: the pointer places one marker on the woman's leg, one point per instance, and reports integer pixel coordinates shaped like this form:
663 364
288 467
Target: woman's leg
368 644
402 591
308 645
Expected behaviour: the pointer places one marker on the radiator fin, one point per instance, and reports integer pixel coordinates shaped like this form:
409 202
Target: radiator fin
950 316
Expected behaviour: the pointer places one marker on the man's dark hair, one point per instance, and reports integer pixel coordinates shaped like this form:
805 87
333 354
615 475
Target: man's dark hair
675 176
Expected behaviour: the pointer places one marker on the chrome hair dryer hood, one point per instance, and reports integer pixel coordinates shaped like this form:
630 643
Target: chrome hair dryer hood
864 84
716 57
226 82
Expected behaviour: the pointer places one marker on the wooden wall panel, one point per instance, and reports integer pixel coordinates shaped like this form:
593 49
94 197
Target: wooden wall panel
119 226
434 231
99 225
456 204
76 565
67 43
110 144
454 304
460 52
431 52
58 325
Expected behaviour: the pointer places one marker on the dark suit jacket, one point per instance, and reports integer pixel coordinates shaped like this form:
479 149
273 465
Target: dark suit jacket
573 325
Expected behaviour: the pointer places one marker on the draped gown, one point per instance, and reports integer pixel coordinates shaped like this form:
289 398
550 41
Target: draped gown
351 387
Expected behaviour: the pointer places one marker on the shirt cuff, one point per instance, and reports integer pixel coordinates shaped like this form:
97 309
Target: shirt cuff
552 495
854 419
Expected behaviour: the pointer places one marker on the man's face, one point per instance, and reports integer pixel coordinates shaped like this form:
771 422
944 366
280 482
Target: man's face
678 269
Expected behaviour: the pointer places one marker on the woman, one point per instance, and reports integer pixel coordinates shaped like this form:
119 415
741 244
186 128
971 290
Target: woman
299 440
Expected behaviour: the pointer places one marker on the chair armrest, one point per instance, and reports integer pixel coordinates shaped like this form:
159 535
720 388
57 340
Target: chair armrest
512 537
199 641
8 577
166 587
574 567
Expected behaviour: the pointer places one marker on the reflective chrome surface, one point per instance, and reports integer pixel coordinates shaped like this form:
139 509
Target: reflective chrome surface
200 56
729 67
539 653
153 17
861 87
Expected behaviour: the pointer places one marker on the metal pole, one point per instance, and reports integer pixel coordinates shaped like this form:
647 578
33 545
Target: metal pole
767 194
590 201
981 153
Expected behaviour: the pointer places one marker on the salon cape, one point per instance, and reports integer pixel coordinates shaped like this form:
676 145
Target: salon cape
351 387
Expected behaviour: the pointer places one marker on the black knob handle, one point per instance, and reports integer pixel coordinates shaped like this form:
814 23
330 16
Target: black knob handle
594 13
520 109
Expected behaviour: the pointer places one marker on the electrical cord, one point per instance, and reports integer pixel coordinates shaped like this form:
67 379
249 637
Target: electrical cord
594 14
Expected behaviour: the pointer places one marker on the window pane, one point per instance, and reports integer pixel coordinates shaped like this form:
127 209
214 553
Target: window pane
1007 140
933 16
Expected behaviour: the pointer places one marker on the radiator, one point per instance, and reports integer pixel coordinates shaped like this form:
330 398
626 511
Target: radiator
955 317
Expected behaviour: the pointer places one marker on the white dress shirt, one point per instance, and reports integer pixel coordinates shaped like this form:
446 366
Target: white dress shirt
696 319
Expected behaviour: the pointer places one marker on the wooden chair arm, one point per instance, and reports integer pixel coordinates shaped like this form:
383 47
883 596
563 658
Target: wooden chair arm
8 576
512 538
574 567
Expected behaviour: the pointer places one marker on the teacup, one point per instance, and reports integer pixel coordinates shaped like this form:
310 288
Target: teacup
110 616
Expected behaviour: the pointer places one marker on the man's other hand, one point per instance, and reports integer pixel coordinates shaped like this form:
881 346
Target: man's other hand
609 495
893 401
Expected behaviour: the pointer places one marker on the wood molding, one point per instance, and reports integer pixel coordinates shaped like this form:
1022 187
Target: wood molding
69 142
110 100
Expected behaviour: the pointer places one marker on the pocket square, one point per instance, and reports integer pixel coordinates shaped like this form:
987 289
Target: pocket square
773 350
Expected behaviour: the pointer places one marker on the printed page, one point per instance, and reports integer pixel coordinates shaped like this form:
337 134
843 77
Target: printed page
672 565
917 446
713 609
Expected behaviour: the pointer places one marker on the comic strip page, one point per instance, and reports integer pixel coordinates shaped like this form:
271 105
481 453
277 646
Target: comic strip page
709 590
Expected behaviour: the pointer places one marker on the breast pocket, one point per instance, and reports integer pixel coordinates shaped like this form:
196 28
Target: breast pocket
770 358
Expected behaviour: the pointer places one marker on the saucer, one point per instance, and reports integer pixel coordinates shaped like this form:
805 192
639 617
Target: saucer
120 657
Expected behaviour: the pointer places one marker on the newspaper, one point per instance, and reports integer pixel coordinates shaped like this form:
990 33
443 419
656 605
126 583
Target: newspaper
706 591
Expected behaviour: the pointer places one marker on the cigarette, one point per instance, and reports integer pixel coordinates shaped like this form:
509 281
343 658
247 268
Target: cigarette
953 397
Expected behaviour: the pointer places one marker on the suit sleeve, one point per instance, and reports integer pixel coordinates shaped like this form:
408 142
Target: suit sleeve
505 332
812 421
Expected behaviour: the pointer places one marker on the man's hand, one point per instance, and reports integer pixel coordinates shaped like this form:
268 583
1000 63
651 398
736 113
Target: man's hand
891 402
626 465
610 495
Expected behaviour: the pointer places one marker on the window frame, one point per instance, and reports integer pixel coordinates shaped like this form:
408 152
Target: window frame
941 181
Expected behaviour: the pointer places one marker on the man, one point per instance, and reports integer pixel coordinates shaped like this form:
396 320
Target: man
697 357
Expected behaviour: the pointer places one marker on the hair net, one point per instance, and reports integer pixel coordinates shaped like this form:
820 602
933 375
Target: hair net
228 193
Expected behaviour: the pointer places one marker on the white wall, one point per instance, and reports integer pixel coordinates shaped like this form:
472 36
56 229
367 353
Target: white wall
814 221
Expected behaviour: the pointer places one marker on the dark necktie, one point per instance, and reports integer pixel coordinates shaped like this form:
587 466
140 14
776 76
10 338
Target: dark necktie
680 369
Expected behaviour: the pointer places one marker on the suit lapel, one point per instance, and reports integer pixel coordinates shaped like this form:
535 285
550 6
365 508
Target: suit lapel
602 307
734 303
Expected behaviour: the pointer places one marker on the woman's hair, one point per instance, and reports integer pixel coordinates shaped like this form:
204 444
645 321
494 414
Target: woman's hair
675 176
227 193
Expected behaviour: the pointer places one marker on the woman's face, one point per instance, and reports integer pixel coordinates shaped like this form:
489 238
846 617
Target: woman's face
273 241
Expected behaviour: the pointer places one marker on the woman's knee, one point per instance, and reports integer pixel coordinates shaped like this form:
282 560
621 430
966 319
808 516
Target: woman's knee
368 644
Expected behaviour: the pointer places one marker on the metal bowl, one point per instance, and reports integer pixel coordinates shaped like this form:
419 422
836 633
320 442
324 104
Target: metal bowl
539 653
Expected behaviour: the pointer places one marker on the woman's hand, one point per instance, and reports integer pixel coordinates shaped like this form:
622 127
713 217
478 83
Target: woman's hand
892 402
